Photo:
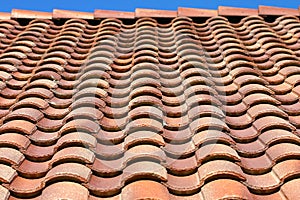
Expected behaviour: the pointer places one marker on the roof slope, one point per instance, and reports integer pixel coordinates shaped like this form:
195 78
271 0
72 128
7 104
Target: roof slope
147 110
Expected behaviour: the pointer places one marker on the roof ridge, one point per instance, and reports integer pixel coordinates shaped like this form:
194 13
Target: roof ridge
142 12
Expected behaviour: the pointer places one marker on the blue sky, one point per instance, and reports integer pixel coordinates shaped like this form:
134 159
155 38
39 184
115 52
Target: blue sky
130 5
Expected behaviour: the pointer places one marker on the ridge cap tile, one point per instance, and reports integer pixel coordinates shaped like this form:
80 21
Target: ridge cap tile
235 11
144 12
278 11
30 14
196 12
98 13
5 15
69 14
154 13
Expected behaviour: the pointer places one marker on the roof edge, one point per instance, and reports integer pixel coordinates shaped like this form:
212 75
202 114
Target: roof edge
278 11
98 14
141 12
28 14
196 12
233 11
68 14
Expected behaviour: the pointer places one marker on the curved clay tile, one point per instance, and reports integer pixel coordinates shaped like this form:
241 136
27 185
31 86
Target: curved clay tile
190 107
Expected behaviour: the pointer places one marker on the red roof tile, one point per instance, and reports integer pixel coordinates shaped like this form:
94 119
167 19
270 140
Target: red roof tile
5 15
140 12
185 110
271 10
232 11
195 12
16 13
113 14
67 14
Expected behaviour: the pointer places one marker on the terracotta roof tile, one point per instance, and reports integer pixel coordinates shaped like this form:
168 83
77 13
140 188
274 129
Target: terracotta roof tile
138 190
7 174
289 189
114 14
72 170
14 139
5 15
270 10
143 109
16 13
232 11
4 193
68 14
216 190
71 191
140 12
195 12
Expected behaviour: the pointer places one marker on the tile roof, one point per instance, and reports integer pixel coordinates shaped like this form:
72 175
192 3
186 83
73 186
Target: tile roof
94 107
